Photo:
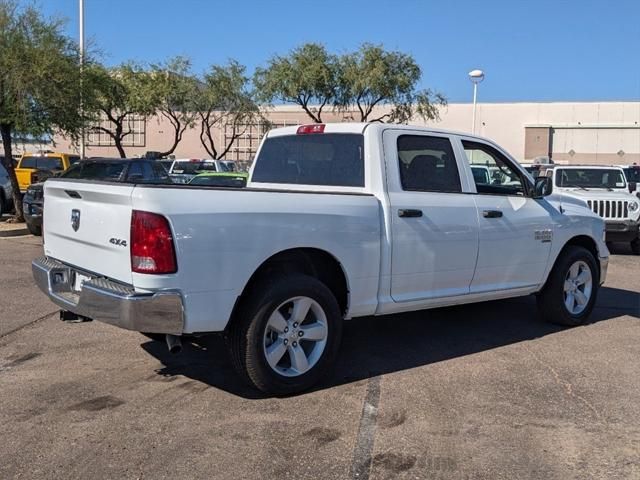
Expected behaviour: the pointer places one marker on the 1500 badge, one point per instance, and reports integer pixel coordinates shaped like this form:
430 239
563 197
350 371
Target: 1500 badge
118 242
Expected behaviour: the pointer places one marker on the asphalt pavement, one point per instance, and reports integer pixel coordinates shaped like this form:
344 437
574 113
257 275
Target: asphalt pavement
484 391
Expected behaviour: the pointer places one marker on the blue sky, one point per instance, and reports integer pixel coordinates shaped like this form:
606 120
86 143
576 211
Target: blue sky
531 50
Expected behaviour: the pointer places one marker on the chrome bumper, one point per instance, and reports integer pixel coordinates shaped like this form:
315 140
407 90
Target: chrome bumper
104 300
604 265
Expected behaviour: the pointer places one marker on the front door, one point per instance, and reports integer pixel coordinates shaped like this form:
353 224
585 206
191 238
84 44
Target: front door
434 225
515 230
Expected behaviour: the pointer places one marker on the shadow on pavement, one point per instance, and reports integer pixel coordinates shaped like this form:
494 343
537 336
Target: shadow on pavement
379 345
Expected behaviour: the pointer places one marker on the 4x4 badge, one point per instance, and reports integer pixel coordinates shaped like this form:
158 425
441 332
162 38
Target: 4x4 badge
75 219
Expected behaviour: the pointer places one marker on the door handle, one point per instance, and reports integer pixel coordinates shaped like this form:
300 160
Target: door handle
409 212
492 214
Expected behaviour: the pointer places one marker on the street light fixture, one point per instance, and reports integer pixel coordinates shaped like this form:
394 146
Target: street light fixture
476 76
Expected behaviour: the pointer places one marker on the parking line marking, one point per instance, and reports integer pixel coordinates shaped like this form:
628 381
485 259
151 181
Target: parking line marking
361 464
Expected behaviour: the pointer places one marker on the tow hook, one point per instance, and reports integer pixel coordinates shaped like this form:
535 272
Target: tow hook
67 316
174 343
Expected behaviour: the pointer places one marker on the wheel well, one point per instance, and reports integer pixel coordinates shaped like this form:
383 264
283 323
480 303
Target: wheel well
583 241
309 261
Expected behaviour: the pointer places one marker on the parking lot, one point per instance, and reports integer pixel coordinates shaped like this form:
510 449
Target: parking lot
484 391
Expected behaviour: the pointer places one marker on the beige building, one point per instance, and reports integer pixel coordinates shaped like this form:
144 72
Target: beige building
568 132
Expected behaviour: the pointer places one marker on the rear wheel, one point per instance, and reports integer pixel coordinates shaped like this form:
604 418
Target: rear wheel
2 204
570 293
287 335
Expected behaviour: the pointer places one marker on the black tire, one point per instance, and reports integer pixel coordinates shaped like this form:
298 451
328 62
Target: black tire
2 204
246 333
635 246
34 229
551 301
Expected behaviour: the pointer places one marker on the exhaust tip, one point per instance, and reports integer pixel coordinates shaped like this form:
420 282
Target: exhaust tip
174 344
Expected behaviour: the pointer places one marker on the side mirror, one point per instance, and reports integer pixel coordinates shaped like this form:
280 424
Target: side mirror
633 186
542 187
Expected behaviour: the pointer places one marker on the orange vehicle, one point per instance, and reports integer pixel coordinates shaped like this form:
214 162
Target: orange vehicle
31 165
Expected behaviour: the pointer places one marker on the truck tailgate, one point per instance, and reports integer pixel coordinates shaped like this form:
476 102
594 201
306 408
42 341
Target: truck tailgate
87 225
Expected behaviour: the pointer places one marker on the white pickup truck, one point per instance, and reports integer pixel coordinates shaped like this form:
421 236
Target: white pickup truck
337 221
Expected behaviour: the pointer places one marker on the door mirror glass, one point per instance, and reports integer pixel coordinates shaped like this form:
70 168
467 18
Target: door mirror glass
542 187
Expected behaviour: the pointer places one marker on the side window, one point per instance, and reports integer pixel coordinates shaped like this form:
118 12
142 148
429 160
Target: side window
427 164
135 172
493 173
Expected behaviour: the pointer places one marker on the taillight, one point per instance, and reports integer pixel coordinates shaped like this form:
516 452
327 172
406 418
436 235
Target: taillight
151 244
315 128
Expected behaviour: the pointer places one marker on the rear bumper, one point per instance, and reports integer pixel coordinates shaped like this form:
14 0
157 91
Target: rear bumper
622 231
104 300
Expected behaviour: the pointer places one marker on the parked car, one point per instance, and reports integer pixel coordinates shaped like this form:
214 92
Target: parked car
182 170
606 192
138 171
221 179
318 236
6 192
33 167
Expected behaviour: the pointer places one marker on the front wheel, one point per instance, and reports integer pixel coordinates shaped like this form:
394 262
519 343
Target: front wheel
287 335
34 229
635 246
571 289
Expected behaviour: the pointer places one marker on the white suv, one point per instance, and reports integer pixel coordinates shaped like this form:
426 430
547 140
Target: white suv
606 192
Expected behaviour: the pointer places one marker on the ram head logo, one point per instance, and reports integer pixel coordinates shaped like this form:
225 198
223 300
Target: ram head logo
75 219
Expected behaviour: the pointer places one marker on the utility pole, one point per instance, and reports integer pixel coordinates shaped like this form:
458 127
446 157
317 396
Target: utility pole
82 138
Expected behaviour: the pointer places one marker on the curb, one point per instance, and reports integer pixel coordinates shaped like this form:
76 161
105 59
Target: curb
14 232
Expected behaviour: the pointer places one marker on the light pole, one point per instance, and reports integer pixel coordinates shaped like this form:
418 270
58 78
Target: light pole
82 137
476 76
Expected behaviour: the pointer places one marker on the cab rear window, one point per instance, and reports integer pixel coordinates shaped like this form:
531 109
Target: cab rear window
332 159
43 163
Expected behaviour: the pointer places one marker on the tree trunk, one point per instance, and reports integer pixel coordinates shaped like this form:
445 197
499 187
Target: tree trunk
5 131
178 130
118 142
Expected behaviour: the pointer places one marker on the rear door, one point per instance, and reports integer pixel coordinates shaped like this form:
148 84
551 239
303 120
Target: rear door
434 223
87 225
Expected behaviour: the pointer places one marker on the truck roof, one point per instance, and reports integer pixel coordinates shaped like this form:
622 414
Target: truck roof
359 127
608 167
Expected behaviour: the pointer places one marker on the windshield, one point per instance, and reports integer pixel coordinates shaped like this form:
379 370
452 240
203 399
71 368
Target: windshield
193 168
590 178
95 170
220 181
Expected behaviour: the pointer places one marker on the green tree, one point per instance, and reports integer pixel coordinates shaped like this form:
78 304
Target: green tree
118 95
373 77
174 89
39 82
224 100
307 76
